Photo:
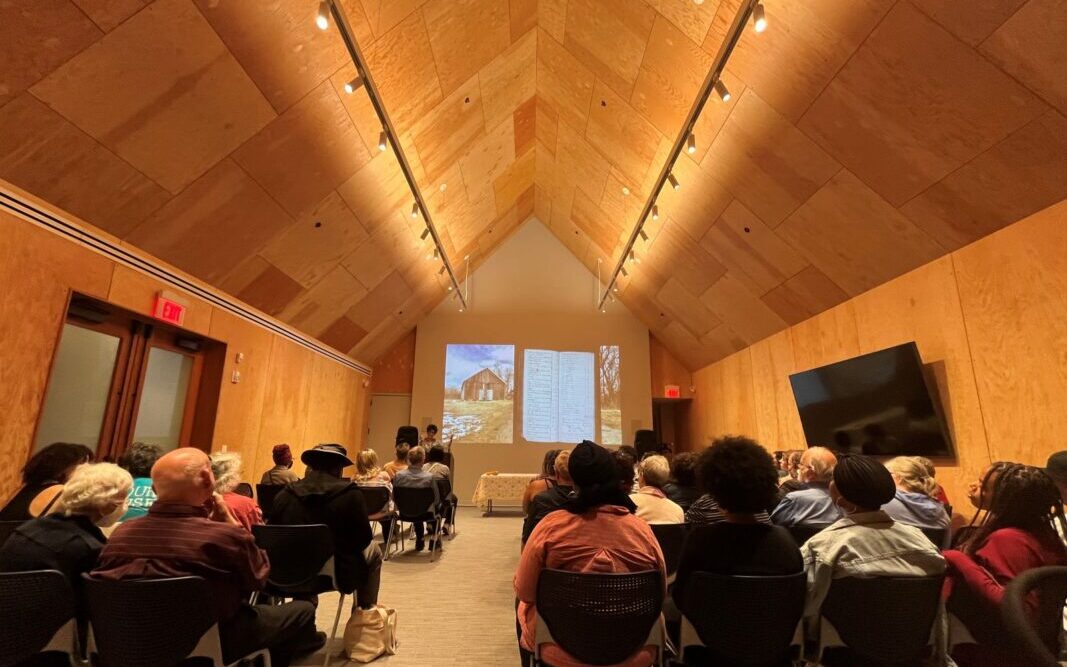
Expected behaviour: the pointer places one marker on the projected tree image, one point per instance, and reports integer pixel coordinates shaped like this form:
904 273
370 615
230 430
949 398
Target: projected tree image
610 396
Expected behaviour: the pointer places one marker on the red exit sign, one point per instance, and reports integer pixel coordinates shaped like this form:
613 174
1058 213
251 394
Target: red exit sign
672 391
169 309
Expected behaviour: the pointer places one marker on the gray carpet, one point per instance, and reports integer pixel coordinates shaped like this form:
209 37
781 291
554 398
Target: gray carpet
458 610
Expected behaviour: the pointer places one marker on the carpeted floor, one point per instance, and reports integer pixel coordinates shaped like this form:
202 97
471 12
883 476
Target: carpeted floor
458 610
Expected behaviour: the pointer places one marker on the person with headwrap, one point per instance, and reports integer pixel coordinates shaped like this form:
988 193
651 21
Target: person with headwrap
407 437
596 531
282 472
865 542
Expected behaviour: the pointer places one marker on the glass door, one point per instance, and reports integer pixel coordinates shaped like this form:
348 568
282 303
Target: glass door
165 409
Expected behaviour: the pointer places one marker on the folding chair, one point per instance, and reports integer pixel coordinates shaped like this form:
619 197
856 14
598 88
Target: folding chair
802 533
417 504
6 529
1037 640
301 563
243 489
444 492
600 618
265 495
37 615
741 619
671 538
376 499
155 622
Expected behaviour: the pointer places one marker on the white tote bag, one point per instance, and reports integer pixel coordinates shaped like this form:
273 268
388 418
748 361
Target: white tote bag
371 633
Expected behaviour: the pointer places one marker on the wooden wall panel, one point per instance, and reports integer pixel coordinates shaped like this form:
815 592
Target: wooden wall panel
988 322
287 393
394 372
666 369
241 405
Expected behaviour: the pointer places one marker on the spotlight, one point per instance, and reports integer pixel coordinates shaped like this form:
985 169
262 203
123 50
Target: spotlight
674 181
442 270
425 233
624 273
449 288
322 19
691 143
354 85
720 88
436 253
603 310
655 211
633 257
383 141
615 289
759 18
415 210
461 309
644 236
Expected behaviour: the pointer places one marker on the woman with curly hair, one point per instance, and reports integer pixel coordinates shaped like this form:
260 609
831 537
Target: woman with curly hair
226 467
43 478
1015 534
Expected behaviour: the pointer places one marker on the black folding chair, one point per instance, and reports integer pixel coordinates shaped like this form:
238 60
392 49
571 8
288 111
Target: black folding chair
883 621
155 622
301 564
7 528
37 615
741 620
802 533
243 489
417 504
936 535
671 538
376 500
449 500
600 618
1037 640
265 495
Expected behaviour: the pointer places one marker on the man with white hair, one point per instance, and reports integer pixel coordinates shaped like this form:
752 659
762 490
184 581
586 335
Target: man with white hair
189 531
811 505
70 539
653 505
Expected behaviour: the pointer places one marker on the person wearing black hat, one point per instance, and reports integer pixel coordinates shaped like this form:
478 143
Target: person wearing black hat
596 531
323 497
866 542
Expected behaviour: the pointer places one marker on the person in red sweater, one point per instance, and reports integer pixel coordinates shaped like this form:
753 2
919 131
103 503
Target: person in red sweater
1015 535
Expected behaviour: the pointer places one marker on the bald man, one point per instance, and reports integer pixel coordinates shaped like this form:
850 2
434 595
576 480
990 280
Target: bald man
189 531
812 504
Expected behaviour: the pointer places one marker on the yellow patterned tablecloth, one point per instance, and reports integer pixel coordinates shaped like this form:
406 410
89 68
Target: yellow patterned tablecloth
501 488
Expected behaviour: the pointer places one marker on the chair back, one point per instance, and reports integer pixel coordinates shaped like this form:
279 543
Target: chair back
886 620
802 533
444 487
298 556
671 538
34 606
745 620
936 535
243 489
265 495
600 618
6 529
376 498
157 622
411 502
1036 639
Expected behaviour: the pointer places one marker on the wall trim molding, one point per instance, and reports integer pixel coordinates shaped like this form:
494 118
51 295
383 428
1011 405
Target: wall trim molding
23 208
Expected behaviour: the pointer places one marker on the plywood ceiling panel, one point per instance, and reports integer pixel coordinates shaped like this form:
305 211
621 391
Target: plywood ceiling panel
862 138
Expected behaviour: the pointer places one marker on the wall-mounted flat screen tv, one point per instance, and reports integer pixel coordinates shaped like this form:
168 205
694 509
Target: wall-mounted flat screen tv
879 404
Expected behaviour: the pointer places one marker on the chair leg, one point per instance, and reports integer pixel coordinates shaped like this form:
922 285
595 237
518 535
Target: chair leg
438 523
333 633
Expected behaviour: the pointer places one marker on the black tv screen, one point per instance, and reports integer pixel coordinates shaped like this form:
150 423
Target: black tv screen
877 404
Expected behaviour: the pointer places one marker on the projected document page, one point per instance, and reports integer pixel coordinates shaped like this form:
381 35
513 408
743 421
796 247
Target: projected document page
558 396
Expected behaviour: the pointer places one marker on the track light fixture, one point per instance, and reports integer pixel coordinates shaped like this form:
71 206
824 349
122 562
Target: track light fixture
354 85
624 273
442 270
322 18
383 141
720 88
615 289
644 236
691 143
415 210
655 211
424 234
673 181
759 18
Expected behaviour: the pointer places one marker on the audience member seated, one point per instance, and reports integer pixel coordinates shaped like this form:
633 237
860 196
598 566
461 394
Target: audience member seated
415 477
430 439
626 460
812 505
189 531
226 467
69 539
652 503
369 474
939 493
596 532
552 499
282 472
323 497
866 542
1015 535
742 476
914 503
544 481
407 438
682 487
43 477
435 462
1056 468
138 460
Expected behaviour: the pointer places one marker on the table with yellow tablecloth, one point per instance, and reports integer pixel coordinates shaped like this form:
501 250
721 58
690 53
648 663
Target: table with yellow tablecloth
506 488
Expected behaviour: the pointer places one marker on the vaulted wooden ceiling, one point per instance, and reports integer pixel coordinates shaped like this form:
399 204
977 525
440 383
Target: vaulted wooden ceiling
863 138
